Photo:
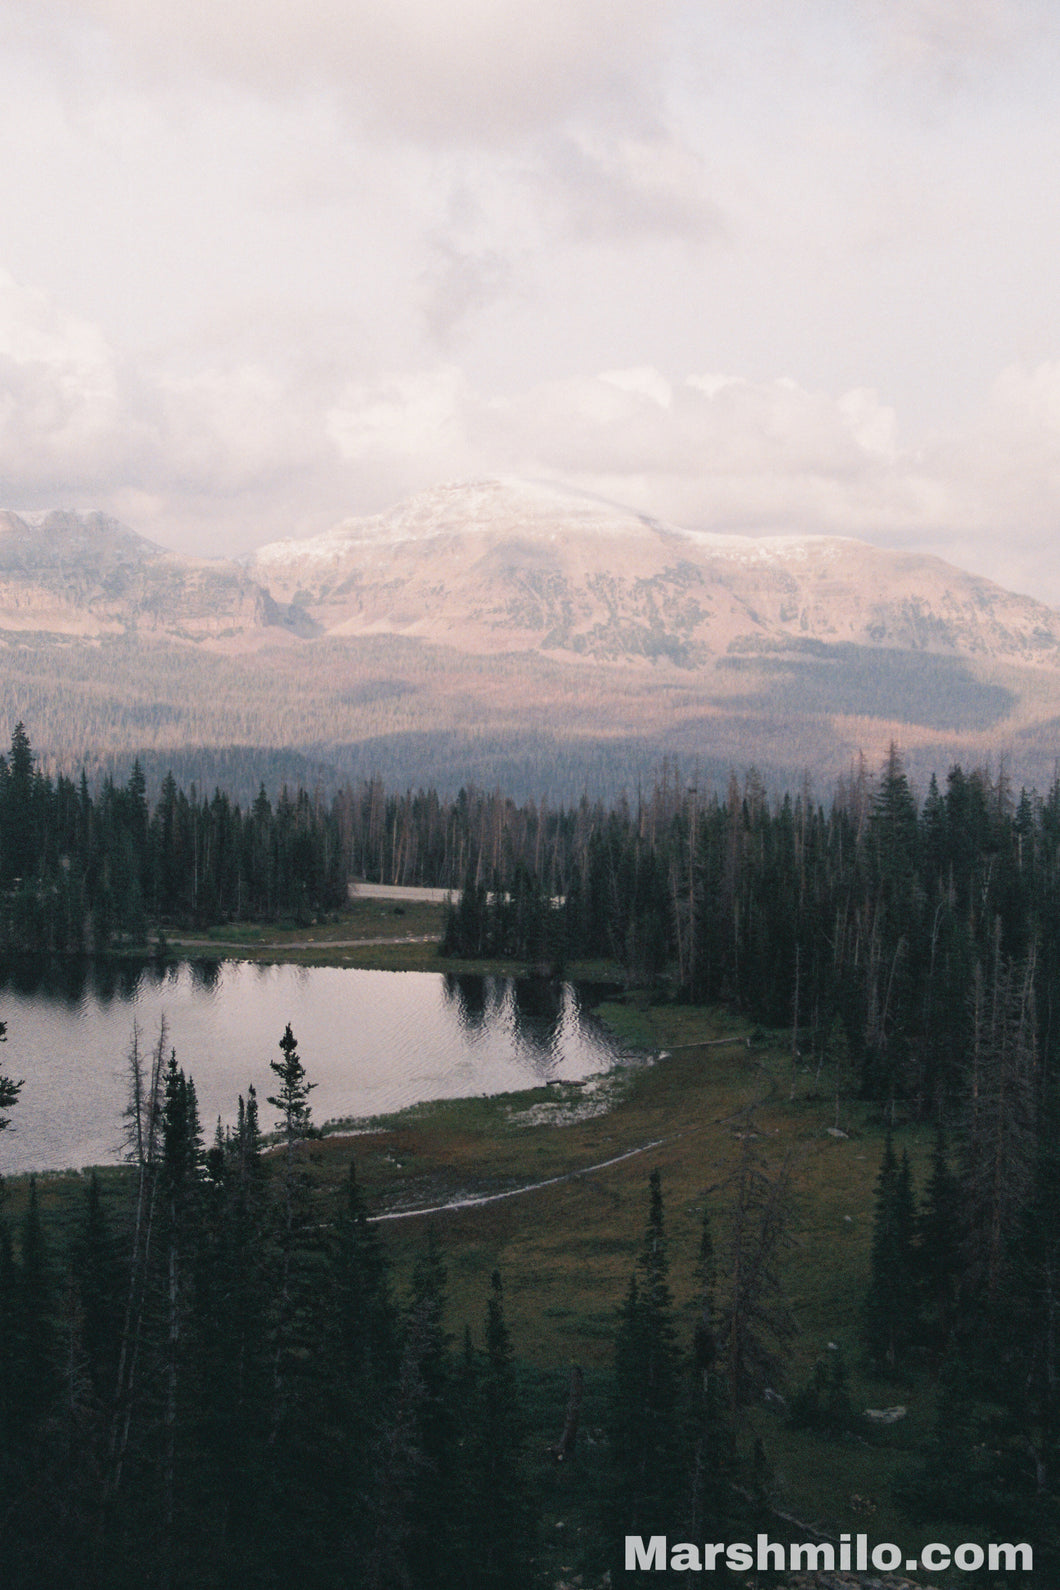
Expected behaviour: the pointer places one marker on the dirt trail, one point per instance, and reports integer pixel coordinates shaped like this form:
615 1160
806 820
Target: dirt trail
586 1170
299 944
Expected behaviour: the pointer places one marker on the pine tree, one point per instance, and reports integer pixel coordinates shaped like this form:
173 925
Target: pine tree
499 1535
98 1275
9 1090
292 1099
36 1341
713 1455
939 1249
890 1309
233 1369
181 1189
416 1520
646 1433
1000 1145
365 1351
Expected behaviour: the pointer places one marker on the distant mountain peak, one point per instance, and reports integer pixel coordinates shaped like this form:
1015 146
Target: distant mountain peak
519 606
43 538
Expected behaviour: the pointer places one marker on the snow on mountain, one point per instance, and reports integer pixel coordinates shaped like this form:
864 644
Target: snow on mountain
510 566
501 565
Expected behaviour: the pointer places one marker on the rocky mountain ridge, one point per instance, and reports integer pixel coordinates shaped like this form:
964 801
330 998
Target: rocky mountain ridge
503 567
522 635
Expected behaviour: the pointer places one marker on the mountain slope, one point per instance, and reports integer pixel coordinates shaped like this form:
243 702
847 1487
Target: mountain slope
507 632
511 568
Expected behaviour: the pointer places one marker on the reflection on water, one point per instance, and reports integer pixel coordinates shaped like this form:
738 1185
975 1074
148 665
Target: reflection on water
371 1041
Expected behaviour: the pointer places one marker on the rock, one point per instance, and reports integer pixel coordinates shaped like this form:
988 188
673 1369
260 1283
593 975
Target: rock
886 1415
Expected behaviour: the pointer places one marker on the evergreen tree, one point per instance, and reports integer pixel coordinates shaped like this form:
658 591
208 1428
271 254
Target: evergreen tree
366 1353
890 1309
499 1539
755 1322
98 1274
646 1430
939 1250
181 1189
234 1370
712 1505
9 1090
416 1521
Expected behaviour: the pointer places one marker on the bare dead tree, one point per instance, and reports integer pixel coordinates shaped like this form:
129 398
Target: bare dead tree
754 1320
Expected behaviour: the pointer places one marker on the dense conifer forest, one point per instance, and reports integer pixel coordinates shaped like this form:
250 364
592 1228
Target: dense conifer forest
895 940
210 1379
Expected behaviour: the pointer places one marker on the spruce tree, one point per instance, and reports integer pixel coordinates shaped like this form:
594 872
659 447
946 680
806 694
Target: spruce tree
499 1537
940 1240
646 1433
9 1090
890 1309
416 1521
754 1320
99 1278
181 1190
711 1506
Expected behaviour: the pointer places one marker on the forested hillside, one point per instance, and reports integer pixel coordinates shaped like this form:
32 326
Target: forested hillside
211 1359
891 939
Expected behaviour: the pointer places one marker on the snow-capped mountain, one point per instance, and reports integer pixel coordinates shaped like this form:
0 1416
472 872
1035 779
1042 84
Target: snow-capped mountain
496 566
508 614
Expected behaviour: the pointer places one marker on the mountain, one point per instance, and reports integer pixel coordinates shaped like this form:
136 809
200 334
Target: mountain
66 573
508 567
517 634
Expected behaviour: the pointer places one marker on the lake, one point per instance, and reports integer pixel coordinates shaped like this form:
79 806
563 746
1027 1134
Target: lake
372 1042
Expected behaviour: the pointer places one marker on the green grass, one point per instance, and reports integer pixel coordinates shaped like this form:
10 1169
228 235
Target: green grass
566 1250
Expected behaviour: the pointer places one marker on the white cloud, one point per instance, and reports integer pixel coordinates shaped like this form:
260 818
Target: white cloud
711 451
948 36
60 402
465 68
242 450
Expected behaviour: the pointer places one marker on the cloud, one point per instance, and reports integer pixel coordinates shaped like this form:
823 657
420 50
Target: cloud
81 426
947 36
712 452
248 447
604 187
60 397
461 283
423 68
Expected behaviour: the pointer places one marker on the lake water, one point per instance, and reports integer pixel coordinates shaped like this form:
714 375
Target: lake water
371 1041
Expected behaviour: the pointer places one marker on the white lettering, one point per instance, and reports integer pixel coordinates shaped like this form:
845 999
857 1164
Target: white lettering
935 1556
711 1553
886 1556
969 1556
685 1555
1004 1556
769 1549
637 1556
739 1557
821 1557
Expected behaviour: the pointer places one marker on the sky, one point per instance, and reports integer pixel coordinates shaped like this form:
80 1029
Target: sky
754 266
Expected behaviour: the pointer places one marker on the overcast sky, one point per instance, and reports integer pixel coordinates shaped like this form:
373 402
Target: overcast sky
748 265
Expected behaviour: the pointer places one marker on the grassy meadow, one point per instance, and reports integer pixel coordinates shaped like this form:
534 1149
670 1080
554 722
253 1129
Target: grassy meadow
698 1084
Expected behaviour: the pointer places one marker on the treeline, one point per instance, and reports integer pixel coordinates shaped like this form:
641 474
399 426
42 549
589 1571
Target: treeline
963 1285
901 946
78 871
208 1378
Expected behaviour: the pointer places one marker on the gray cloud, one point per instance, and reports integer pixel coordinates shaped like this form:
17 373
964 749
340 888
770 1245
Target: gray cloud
620 187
